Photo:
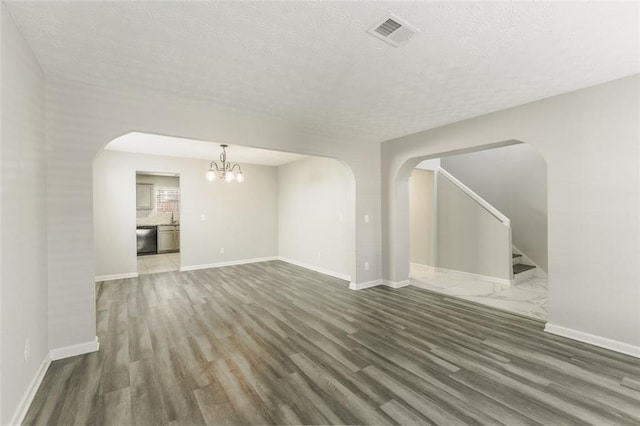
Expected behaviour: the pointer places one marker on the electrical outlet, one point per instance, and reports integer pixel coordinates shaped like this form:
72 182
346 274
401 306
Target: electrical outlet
366 266
27 349
221 250
366 218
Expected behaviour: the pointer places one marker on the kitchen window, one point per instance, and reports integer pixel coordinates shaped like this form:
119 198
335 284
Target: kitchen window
167 200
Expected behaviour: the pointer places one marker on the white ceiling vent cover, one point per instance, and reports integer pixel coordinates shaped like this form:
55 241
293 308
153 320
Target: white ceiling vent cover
393 30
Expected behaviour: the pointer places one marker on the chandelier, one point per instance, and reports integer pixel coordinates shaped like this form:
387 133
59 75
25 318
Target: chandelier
225 171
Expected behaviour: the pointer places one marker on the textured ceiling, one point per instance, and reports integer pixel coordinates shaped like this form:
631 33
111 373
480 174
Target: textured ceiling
144 143
313 63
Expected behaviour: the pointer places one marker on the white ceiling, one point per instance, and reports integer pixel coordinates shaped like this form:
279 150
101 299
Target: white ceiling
144 143
314 63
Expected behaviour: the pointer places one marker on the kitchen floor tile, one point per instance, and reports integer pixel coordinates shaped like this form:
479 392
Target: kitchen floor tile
161 268
154 263
158 259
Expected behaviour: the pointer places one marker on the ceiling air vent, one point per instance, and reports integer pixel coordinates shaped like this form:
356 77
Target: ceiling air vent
393 30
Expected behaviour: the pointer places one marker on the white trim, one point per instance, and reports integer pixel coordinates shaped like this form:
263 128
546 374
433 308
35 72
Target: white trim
592 339
30 393
421 267
375 283
396 284
229 263
74 350
477 276
362 286
116 276
316 268
475 197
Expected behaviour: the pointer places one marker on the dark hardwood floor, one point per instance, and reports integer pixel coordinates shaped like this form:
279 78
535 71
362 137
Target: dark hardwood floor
272 343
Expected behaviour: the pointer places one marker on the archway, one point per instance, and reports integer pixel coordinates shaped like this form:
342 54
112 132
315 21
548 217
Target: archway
87 118
398 207
478 227
221 223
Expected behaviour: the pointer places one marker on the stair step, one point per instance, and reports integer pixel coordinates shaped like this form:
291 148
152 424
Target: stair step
515 258
519 268
514 255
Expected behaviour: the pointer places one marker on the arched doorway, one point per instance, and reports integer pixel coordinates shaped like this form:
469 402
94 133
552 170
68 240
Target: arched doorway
221 223
477 226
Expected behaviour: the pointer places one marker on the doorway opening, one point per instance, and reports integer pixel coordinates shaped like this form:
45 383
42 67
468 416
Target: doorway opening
157 222
290 207
478 228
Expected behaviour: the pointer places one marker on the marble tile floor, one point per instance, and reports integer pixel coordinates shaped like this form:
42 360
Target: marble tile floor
527 298
154 263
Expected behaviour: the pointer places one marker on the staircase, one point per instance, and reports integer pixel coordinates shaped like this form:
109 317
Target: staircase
521 271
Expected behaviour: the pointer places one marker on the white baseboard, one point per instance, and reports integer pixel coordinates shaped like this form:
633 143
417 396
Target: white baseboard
395 284
362 286
592 339
73 350
420 267
229 263
116 276
477 276
30 393
375 283
316 268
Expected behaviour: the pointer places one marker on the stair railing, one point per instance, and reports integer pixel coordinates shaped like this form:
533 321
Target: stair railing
475 197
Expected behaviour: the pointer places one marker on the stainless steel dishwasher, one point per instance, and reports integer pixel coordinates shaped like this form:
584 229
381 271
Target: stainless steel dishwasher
147 239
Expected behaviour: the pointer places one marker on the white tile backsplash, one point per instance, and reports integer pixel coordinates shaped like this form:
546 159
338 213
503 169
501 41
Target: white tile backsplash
157 218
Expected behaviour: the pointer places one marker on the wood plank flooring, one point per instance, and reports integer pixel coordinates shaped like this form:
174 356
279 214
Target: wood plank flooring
272 343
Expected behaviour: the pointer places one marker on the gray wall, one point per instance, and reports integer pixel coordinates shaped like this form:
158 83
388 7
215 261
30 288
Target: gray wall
513 179
470 239
422 203
316 215
241 218
590 140
23 252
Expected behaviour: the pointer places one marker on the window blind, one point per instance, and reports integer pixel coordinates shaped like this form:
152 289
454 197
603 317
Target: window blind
167 199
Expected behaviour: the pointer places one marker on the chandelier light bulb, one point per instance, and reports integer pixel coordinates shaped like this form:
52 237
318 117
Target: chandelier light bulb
240 177
211 175
229 177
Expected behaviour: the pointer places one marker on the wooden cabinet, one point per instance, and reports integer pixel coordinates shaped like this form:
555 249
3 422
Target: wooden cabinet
168 238
144 196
